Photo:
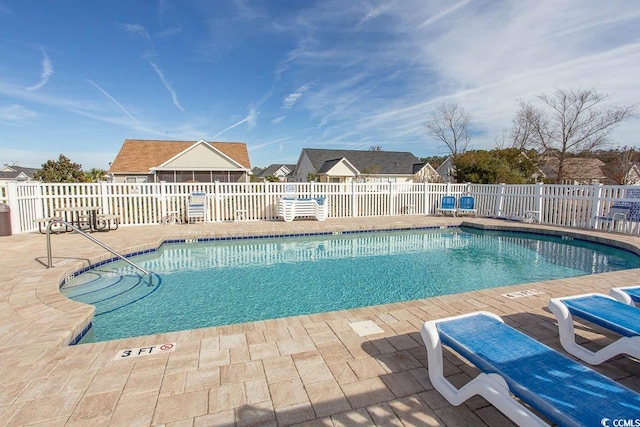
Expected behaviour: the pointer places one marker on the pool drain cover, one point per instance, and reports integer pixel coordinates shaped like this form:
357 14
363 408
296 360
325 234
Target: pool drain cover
367 327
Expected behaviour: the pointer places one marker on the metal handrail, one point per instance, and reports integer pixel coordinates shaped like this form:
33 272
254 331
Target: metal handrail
94 240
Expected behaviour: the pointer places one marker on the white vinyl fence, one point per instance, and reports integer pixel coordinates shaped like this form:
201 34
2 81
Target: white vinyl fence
144 204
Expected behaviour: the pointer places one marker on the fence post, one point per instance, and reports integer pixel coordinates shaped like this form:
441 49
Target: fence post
499 199
40 203
14 206
354 200
392 201
596 203
216 201
104 199
164 210
538 202
427 199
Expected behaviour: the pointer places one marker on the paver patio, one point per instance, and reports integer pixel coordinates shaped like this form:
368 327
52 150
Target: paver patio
313 370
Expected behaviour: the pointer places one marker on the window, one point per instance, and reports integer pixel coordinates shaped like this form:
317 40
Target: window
135 179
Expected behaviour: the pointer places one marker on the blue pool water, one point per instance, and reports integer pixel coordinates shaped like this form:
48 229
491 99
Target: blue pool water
223 282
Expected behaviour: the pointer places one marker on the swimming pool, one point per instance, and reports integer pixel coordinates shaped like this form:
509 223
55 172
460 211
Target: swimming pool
200 284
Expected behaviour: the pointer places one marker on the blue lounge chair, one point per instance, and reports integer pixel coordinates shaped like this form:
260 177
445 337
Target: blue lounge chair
447 205
467 206
629 295
603 311
512 363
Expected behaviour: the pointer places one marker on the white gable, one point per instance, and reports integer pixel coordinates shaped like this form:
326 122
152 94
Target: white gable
342 168
201 156
426 174
282 171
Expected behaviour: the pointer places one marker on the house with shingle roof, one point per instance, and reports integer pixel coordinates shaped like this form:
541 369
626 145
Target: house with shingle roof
576 170
15 173
279 170
180 161
360 165
632 177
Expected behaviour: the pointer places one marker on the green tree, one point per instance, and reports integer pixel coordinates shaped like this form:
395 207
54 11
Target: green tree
94 175
508 165
62 170
434 161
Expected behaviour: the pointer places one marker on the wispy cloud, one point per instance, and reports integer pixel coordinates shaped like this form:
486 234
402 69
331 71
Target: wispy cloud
251 120
170 32
5 9
174 96
440 15
47 71
277 120
292 98
16 115
266 144
375 11
137 29
455 54
104 92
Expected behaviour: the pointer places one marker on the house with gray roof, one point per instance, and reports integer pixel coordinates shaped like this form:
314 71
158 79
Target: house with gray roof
16 173
279 170
361 166
576 170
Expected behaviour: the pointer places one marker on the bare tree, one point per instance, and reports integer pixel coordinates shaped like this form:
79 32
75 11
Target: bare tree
450 124
524 127
522 133
570 122
619 162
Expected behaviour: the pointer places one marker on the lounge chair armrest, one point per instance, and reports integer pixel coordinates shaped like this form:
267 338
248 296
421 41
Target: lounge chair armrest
622 296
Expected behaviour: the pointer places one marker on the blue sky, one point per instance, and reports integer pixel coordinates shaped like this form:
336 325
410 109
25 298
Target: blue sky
80 77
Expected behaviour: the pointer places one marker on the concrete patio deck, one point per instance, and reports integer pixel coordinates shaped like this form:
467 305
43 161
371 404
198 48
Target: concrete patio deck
311 370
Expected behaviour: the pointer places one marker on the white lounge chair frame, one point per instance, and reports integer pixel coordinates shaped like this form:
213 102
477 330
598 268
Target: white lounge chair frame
617 212
490 386
289 208
196 208
567 392
621 295
624 345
